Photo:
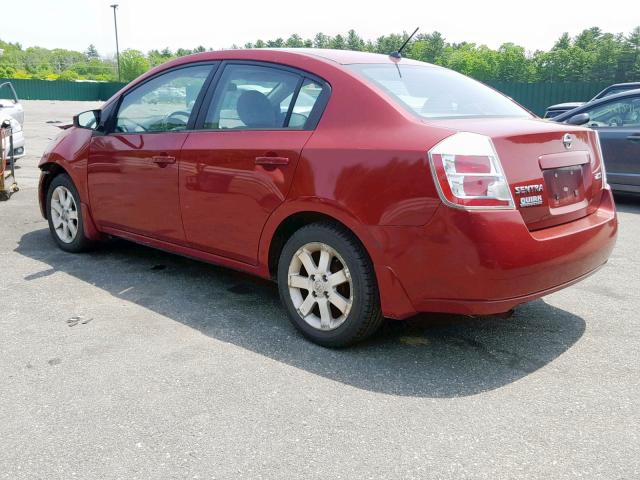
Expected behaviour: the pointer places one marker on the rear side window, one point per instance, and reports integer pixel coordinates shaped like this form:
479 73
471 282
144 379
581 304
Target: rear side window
434 92
307 97
163 103
250 97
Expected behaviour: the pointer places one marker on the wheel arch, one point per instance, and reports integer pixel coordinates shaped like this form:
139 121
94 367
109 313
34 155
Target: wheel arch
49 171
293 215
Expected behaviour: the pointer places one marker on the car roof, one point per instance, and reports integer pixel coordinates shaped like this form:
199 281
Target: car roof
570 113
623 84
340 57
346 57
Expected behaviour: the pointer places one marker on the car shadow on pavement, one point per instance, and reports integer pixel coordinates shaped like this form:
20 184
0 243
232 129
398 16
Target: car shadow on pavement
427 356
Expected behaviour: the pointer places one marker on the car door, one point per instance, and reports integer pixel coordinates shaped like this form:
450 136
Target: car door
238 166
618 124
133 168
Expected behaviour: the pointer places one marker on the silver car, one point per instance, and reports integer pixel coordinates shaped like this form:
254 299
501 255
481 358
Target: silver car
11 109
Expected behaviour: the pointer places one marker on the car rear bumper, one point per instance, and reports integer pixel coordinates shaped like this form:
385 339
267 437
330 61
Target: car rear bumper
487 262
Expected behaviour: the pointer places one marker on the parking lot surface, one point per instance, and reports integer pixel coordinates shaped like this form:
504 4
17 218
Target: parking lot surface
130 363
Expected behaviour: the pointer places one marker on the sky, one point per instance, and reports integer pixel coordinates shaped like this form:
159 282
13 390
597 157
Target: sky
147 24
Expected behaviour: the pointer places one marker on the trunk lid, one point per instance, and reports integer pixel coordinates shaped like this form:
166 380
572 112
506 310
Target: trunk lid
554 170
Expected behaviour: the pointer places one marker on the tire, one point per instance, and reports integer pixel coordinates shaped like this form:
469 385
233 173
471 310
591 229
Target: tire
74 243
311 299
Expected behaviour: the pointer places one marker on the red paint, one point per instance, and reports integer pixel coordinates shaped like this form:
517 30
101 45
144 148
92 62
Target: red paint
227 193
365 165
131 189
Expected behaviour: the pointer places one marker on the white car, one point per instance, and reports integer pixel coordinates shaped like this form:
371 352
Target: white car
11 109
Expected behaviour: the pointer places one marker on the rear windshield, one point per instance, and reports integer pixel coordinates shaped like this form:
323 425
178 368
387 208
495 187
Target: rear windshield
434 92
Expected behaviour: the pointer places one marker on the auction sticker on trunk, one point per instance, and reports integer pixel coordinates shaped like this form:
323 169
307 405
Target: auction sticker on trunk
530 201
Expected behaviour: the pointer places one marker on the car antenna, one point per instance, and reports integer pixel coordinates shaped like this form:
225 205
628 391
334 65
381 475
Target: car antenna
398 53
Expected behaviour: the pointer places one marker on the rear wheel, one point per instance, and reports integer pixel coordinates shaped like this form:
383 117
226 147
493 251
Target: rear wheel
328 286
65 215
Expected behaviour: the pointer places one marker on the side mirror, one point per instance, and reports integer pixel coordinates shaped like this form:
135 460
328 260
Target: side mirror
89 119
579 119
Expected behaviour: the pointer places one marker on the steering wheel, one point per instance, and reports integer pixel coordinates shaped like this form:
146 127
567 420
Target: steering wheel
180 119
615 122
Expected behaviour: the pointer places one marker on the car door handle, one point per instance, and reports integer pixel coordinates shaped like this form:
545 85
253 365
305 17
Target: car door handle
163 160
272 160
634 138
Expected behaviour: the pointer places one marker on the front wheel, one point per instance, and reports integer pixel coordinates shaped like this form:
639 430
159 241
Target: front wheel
328 286
65 215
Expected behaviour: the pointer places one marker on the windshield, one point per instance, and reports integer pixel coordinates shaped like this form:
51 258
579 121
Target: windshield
434 92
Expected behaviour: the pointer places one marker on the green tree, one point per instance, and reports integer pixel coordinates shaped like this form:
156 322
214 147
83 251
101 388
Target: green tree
92 52
156 57
321 40
591 55
629 65
354 42
68 75
338 42
132 64
277 43
389 43
563 42
427 47
588 39
512 64
294 41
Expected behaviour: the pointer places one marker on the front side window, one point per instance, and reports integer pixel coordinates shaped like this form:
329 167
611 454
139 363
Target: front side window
164 103
252 97
435 92
620 113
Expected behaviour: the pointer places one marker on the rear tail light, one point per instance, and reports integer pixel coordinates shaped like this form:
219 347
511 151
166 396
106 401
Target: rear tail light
468 173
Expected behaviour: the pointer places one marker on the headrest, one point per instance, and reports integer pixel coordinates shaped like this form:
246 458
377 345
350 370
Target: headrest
255 110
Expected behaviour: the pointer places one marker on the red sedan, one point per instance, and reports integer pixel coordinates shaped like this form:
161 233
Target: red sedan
365 185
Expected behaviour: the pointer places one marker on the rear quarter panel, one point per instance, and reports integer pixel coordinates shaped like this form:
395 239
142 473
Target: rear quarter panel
369 157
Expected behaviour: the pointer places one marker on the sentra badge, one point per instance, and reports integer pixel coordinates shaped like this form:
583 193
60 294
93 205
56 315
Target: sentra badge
530 200
525 189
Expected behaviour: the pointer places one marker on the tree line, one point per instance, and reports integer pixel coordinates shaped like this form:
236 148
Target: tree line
590 56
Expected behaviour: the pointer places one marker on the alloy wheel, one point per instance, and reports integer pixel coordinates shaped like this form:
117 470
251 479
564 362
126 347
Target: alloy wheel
320 286
64 214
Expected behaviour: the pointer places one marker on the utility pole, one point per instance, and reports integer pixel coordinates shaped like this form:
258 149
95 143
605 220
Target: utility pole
115 24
